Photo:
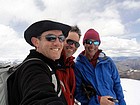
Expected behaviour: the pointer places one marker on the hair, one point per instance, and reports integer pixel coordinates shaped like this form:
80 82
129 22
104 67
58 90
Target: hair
76 29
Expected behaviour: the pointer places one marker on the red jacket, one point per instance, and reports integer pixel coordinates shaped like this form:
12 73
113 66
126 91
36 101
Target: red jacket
67 78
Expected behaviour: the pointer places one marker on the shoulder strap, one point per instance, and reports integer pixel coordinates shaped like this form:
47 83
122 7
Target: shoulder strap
14 68
54 80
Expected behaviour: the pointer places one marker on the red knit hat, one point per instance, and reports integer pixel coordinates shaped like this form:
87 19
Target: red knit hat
92 34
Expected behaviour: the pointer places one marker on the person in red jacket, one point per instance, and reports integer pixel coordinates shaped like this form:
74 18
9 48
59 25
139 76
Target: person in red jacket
66 63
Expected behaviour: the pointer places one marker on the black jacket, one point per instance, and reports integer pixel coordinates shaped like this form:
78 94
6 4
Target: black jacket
32 83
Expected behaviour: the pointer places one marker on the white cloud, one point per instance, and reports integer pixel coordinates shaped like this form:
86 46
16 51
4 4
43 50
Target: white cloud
131 4
102 15
11 46
18 9
115 46
138 21
107 22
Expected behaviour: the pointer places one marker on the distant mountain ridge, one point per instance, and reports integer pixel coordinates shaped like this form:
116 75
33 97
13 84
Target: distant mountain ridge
128 67
128 62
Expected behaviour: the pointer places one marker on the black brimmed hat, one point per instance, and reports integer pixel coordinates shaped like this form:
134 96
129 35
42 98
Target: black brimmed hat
37 28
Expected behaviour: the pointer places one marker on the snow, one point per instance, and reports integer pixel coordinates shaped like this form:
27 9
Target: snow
131 90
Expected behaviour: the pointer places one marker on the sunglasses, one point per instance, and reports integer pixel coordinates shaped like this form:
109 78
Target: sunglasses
96 43
71 42
52 38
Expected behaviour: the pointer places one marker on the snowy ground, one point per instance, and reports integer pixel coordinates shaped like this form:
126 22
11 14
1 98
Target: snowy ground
131 91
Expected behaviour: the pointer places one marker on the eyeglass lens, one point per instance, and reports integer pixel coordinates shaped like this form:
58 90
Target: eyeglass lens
53 38
71 42
96 43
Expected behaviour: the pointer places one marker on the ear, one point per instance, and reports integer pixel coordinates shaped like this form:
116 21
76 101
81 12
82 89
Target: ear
35 41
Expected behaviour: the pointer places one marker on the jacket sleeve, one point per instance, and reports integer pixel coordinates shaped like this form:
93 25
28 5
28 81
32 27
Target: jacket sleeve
37 88
79 94
117 84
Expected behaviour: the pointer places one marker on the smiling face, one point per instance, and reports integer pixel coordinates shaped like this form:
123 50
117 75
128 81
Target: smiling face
90 50
50 49
71 49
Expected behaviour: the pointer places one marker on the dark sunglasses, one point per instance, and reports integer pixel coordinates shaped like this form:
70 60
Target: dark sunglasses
96 43
71 42
52 38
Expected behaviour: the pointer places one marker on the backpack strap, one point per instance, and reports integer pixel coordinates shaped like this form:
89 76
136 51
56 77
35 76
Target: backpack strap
54 79
14 68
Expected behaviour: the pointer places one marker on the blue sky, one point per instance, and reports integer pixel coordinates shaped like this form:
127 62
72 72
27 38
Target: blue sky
117 21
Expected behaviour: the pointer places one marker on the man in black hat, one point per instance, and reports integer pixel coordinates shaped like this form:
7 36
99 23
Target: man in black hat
35 83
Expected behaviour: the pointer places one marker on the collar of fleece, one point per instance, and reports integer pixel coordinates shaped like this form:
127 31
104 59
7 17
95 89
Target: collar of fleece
93 61
63 62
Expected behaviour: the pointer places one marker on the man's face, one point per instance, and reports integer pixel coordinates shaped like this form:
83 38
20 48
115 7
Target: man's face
70 49
49 44
91 48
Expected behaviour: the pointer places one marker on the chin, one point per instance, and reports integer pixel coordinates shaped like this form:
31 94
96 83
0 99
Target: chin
56 57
